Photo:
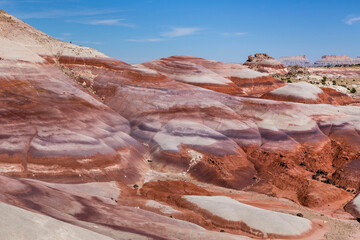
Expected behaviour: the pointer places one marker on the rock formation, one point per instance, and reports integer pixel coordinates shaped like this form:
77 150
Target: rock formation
231 78
295 61
262 62
333 60
52 127
175 148
353 207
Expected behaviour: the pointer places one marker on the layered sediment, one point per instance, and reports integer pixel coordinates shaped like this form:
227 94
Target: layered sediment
108 147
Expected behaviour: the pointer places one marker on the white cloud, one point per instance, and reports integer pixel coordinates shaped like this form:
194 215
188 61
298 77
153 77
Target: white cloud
63 13
109 22
352 20
179 32
240 33
147 40
175 32
105 22
114 22
234 34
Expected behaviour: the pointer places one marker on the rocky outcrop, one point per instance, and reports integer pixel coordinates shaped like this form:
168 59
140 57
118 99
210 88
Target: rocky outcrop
295 61
262 62
333 60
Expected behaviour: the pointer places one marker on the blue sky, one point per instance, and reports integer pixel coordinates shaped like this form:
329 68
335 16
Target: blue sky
226 30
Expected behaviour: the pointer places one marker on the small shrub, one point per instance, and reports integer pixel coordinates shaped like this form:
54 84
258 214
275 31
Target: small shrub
353 90
289 81
334 82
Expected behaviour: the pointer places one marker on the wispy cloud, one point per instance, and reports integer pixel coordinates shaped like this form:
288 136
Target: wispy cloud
64 13
146 40
181 31
351 19
174 32
227 34
64 36
109 22
106 22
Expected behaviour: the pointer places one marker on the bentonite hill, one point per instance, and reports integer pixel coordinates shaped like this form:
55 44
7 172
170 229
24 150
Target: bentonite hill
176 148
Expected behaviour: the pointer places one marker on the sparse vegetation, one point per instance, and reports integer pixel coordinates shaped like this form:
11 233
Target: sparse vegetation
353 90
323 81
289 81
334 82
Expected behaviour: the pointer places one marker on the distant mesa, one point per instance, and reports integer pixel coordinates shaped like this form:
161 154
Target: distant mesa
295 61
262 62
326 60
332 60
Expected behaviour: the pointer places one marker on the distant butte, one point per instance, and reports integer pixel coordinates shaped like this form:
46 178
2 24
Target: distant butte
295 61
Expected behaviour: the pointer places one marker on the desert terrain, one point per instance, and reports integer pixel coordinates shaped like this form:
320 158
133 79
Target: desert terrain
181 147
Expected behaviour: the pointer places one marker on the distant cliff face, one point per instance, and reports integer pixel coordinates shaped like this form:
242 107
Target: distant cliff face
295 61
332 60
